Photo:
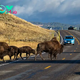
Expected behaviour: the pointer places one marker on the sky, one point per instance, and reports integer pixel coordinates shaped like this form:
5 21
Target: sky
63 11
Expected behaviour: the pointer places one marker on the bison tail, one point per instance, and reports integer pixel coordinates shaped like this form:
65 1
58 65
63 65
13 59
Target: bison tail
35 51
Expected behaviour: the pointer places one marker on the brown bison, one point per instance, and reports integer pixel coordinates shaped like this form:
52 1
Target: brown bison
15 50
3 48
2 53
11 51
27 50
53 47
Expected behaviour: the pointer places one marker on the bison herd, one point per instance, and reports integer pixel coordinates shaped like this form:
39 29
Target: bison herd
52 47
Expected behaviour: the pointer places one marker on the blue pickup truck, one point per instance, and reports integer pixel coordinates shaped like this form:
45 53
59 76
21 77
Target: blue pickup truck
69 39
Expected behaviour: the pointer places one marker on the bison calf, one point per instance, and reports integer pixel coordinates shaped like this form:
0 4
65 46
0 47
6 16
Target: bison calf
11 51
27 50
3 47
2 54
14 51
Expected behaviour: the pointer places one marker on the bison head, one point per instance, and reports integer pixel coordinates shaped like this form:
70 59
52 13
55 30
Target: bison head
54 39
33 51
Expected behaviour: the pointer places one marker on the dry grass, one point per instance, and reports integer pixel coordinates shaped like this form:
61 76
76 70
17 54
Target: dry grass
18 29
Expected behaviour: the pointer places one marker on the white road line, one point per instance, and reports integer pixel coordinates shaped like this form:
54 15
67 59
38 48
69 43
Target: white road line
61 39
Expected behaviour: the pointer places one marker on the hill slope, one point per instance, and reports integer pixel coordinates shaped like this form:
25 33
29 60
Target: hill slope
17 29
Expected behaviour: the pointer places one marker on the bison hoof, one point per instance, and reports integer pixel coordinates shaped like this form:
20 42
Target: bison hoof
16 59
26 58
43 59
35 59
4 61
52 59
22 58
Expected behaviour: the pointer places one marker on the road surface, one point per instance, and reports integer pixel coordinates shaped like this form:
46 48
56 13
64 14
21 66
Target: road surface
66 67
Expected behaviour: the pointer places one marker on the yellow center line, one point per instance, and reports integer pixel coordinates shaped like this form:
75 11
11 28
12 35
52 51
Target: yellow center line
47 67
74 50
63 59
74 37
70 54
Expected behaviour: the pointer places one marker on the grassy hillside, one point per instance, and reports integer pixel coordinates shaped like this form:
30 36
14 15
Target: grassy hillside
18 29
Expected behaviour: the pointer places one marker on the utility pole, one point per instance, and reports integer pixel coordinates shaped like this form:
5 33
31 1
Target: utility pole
62 27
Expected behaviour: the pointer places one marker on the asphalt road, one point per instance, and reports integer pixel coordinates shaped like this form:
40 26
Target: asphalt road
66 67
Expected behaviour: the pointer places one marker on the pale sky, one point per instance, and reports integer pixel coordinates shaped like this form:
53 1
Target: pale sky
63 11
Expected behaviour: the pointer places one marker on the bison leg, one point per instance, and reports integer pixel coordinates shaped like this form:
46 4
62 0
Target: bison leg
3 59
39 52
48 55
41 56
51 56
15 56
55 55
27 56
10 57
21 56
35 56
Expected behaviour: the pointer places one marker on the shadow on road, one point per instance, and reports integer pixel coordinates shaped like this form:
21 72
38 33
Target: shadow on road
45 61
78 73
53 61
71 52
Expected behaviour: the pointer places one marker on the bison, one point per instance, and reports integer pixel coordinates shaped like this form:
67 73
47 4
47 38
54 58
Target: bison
2 53
27 50
3 48
15 50
12 51
52 47
9 52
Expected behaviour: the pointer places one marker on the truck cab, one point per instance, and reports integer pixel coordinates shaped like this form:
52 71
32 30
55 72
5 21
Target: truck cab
69 39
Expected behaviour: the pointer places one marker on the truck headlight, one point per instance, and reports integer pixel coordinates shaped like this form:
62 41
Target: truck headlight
65 41
72 41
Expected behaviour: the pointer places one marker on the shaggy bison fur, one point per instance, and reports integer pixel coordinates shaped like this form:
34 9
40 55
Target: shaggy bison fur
53 47
3 48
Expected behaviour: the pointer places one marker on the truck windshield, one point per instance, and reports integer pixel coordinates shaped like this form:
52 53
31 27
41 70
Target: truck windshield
69 37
